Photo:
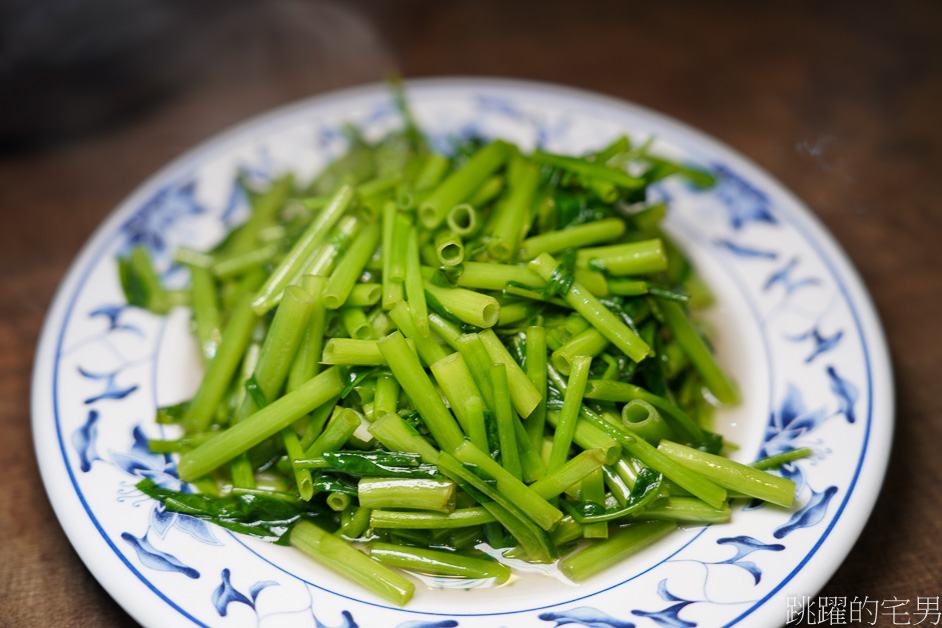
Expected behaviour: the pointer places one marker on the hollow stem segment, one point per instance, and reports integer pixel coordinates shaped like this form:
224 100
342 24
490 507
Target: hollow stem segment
205 304
468 306
348 270
486 276
462 183
396 435
645 421
689 509
320 262
353 352
658 461
449 249
271 370
589 343
457 383
307 360
587 437
392 291
365 295
386 398
429 350
610 390
337 432
356 324
462 219
444 329
478 361
593 490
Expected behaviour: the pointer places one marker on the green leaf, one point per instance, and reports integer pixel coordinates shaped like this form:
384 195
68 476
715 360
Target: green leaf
646 489
357 374
268 517
379 464
135 288
493 435
168 415
255 391
327 482
563 276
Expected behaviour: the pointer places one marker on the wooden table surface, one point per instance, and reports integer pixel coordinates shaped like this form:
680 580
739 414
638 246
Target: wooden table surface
841 103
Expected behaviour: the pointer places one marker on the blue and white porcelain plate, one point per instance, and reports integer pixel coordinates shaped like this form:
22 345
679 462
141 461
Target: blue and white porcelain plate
793 324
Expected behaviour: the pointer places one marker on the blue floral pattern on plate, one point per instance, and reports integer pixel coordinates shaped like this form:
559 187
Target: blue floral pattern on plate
809 356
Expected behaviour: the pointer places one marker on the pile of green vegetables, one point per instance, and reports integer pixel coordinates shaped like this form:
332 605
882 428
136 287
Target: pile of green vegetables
426 355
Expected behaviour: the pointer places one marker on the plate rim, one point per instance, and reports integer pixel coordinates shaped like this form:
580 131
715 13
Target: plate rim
874 343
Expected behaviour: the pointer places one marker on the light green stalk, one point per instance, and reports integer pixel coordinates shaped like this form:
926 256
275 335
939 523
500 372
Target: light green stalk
271 291
338 556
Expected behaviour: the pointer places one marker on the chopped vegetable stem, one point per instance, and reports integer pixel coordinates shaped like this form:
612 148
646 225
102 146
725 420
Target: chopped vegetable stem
340 284
733 475
338 556
219 372
461 184
259 426
437 562
569 415
605 554
408 493
573 237
406 368
271 291
503 411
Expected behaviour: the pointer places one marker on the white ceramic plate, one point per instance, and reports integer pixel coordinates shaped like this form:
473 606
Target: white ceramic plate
794 325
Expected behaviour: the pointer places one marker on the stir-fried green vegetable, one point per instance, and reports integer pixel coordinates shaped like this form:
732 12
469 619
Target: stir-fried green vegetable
427 353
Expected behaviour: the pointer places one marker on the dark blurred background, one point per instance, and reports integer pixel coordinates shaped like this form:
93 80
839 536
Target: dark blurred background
72 69
838 100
